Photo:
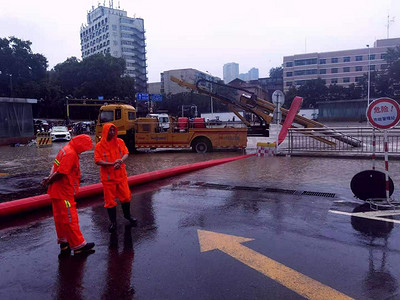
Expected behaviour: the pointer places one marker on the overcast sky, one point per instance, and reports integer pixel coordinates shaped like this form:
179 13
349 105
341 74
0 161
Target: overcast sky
206 34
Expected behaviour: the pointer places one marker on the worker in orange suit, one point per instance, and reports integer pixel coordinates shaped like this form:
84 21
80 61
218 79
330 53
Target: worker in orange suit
63 183
110 154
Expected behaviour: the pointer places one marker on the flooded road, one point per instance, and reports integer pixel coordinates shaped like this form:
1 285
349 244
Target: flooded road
162 258
292 214
23 168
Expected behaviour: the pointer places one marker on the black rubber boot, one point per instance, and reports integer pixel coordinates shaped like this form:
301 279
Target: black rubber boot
112 214
88 248
126 208
65 250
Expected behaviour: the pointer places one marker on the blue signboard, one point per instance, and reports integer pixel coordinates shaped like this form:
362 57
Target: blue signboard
100 98
142 97
156 97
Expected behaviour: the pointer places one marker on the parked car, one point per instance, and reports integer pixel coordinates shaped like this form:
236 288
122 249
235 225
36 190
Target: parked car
60 133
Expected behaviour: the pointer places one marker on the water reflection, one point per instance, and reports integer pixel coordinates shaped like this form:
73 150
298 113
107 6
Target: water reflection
119 267
70 276
378 282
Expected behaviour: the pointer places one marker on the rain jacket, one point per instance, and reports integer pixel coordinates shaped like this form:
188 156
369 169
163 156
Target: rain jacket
110 151
67 163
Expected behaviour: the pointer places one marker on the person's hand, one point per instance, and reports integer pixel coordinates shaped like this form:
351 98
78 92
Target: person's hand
117 164
45 181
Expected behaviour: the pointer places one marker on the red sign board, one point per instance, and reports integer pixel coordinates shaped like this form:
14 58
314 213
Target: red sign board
383 113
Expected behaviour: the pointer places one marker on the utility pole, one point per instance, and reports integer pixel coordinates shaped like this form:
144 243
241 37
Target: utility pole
11 86
369 73
388 24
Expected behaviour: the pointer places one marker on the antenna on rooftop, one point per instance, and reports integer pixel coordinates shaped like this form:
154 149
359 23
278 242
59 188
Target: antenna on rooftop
305 45
119 5
388 24
111 3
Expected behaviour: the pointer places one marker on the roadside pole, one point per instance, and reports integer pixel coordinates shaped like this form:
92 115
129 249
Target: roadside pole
384 113
278 98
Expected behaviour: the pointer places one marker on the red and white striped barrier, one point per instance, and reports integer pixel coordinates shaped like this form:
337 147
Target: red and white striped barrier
266 149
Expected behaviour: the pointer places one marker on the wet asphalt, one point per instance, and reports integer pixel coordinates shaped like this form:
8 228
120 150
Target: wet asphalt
288 205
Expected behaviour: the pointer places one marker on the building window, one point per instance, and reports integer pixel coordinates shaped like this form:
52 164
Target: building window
372 57
334 70
302 62
289 64
372 67
383 55
322 71
346 59
289 74
346 69
322 61
384 66
359 58
346 79
334 80
359 78
358 68
289 83
334 60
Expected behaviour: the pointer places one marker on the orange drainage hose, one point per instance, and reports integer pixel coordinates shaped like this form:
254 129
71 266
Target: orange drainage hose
31 203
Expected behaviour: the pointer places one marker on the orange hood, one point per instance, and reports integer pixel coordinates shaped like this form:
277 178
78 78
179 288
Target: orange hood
81 143
103 142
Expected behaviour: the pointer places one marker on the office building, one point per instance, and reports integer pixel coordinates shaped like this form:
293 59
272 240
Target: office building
230 72
110 30
337 67
252 74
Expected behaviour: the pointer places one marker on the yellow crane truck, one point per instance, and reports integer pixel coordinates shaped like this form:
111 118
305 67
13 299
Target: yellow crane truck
148 133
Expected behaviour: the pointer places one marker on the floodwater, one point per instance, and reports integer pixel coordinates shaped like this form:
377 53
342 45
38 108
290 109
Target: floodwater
22 169
161 258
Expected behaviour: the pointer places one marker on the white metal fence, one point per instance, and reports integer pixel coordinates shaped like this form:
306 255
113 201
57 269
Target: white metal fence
346 140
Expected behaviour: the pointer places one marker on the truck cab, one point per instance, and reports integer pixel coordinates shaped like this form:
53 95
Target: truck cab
123 116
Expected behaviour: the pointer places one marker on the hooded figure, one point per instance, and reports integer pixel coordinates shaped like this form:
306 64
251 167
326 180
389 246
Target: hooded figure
110 154
63 184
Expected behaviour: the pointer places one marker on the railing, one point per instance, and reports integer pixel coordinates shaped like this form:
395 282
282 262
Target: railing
346 140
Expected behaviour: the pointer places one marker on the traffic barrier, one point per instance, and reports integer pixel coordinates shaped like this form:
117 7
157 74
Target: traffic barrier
36 202
266 149
43 139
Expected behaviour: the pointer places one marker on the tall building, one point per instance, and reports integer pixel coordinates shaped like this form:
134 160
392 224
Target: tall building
253 74
110 30
337 67
231 71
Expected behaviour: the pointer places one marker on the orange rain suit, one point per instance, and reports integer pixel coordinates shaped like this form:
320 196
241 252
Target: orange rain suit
115 181
62 191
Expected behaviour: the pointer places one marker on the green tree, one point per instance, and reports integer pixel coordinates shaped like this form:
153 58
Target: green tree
23 72
312 92
276 72
97 75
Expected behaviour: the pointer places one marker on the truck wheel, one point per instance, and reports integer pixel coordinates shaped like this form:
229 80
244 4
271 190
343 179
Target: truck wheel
202 146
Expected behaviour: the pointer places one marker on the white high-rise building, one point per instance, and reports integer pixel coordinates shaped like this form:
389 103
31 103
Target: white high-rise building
110 30
231 72
253 74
